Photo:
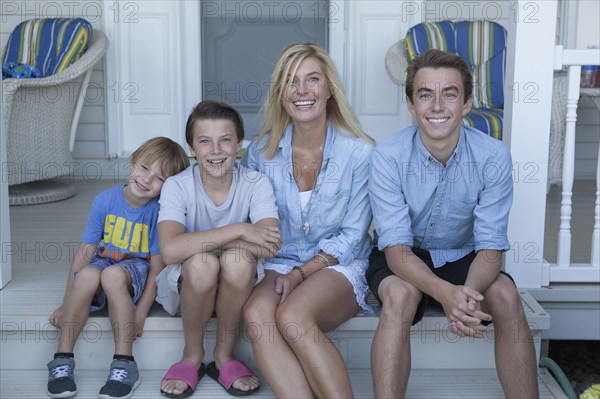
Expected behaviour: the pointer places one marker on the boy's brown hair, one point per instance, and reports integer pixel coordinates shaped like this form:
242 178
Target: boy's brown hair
170 155
213 110
439 59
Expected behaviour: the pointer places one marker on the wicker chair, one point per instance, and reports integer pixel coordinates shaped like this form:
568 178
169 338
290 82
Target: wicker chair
41 117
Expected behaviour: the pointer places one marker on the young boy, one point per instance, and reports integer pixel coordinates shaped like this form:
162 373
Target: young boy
118 253
203 209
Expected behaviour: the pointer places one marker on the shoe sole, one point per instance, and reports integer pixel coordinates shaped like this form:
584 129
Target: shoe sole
137 384
67 394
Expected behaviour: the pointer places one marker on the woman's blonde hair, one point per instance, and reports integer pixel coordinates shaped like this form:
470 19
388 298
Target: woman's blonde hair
276 119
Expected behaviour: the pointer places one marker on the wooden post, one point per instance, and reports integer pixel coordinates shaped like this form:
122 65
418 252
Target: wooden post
528 95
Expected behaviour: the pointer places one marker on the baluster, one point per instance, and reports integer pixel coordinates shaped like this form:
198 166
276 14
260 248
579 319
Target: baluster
596 233
564 233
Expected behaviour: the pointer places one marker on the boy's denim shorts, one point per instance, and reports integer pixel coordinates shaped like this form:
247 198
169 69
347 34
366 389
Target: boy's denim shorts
138 270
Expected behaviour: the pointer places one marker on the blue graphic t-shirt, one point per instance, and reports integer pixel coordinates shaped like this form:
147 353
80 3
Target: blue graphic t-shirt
126 232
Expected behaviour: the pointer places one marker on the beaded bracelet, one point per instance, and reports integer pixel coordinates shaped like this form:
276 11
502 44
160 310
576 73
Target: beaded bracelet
301 272
322 259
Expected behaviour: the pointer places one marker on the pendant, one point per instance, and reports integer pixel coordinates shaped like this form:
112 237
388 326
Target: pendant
306 228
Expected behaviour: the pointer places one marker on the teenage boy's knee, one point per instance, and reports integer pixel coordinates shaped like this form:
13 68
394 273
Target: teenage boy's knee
399 299
240 275
201 269
503 294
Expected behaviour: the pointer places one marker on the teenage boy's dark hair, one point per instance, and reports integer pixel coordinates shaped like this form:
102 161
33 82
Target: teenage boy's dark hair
213 110
439 59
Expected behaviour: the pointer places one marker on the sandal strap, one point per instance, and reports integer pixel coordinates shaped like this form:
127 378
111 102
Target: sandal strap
233 370
183 371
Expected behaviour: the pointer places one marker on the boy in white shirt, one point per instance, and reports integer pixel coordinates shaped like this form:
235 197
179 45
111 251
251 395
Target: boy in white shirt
211 249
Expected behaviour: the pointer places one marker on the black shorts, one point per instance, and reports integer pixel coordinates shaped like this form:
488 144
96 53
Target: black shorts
453 272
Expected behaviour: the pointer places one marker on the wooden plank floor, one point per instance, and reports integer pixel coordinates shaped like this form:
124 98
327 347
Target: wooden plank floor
423 384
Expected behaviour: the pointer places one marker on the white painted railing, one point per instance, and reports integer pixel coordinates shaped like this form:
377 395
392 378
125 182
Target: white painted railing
564 270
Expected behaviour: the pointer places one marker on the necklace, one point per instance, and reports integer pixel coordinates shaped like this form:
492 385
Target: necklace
314 164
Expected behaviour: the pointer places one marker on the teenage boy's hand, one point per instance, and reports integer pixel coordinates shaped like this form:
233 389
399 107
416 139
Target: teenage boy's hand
267 236
461 305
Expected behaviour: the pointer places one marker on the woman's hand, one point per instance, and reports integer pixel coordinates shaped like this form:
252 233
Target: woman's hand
284 285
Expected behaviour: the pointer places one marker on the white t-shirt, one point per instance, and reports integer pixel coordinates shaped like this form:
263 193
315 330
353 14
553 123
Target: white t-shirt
184 200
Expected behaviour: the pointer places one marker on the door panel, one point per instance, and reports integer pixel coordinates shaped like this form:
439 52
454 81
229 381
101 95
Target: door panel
241 43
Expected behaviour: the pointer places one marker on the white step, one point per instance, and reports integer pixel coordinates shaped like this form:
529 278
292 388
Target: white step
29 341
424 384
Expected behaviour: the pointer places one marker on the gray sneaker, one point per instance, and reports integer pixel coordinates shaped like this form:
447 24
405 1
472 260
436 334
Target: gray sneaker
61 383
122 380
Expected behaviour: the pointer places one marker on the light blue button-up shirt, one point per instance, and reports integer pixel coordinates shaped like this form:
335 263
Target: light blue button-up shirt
338 214
448 210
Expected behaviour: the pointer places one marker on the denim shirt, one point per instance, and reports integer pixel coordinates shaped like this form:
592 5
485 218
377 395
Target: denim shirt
338 213
448 210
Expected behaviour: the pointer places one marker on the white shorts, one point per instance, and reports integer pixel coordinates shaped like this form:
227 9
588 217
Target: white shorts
354 273
167 282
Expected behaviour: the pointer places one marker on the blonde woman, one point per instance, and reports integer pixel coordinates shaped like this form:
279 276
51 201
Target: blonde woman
316 155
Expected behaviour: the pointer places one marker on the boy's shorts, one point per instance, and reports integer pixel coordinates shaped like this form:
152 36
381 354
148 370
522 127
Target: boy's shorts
137 268
168 285
453 272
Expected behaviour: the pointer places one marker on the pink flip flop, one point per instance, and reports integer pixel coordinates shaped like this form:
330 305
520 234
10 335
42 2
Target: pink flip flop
186 372
230 372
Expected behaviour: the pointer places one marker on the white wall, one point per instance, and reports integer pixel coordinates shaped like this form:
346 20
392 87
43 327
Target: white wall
588 28
90 141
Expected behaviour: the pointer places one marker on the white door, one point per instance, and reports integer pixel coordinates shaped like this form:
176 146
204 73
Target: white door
143 73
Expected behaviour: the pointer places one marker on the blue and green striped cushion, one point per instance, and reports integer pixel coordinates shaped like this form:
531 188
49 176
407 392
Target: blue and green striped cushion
488 120
483 45
426 35
48 44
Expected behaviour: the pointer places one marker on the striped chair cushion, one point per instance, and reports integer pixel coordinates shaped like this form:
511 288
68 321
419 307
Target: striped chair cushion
48 44
426 35
483 45
488 120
